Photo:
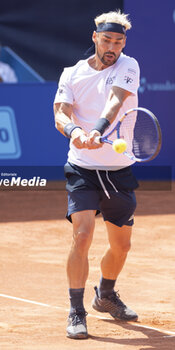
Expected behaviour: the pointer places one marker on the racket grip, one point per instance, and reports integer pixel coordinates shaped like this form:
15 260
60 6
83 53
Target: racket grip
83 138
98 139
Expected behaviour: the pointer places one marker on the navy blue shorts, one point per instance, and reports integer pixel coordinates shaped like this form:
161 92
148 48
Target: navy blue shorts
108 192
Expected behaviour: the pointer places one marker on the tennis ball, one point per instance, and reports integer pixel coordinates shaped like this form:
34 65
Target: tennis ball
119 145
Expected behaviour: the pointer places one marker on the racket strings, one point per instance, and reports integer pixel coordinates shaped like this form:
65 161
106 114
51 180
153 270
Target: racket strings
140 132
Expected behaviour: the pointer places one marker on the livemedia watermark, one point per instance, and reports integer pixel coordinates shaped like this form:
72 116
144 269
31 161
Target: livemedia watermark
36 181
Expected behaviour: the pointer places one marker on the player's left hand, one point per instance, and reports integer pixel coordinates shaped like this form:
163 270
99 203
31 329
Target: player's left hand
78 138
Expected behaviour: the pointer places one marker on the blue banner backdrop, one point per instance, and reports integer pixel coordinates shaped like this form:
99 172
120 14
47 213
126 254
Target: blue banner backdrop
151 42
27 133
27 130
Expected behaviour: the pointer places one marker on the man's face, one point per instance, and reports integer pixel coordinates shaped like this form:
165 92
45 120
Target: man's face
109 46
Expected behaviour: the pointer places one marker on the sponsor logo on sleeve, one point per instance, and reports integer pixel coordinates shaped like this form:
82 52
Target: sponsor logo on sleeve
128 80
61 89
132 71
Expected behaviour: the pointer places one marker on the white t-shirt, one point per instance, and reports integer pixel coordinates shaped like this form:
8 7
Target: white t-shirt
7 73
87 90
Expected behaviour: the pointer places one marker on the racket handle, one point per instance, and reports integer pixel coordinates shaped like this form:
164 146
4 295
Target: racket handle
83 138
98 139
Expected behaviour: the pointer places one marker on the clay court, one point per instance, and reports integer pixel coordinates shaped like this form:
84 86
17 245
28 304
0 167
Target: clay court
34 244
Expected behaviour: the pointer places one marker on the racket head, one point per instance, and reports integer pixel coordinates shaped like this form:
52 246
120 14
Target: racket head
144 127
140 128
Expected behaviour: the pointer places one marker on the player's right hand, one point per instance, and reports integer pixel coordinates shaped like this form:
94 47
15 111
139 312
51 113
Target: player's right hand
91 140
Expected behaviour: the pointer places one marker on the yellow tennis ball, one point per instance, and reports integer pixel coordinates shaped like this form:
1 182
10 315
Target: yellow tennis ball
119 145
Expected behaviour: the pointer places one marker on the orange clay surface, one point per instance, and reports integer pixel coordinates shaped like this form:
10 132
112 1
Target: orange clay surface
34 243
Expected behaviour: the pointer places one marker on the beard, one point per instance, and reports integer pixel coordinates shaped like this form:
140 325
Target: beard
108 58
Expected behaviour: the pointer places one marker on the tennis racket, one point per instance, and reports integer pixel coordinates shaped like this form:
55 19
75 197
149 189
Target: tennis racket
141 132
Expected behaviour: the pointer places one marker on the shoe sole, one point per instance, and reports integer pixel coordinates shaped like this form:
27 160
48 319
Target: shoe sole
77 336
134 319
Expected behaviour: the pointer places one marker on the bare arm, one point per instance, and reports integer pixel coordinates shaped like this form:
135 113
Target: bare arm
62 112
112 107
114 103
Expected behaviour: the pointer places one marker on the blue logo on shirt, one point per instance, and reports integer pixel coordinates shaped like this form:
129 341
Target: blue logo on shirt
9 140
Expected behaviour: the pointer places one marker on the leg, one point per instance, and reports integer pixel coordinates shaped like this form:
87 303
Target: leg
77 264
77 271
118 216
114 258
83 203
106 300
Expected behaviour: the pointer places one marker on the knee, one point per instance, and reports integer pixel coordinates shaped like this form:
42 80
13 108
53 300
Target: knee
125 248
82 240
121 248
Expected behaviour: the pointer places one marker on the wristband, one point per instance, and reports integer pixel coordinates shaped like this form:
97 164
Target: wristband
69 128
101 125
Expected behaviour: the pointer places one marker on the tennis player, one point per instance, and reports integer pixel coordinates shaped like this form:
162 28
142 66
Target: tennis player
90 97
